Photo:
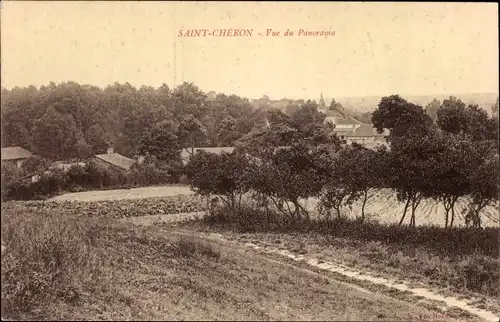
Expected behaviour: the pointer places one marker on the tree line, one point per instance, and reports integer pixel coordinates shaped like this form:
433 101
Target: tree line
69 120
295 157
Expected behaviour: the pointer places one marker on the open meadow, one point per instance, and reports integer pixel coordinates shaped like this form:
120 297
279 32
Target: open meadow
119 260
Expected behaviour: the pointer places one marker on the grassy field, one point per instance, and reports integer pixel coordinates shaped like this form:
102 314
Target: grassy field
88 259
57 266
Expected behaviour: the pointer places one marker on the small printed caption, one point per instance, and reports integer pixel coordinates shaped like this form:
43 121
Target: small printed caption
240 32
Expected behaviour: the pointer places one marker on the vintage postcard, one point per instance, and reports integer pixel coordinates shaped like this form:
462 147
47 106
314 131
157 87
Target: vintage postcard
182 160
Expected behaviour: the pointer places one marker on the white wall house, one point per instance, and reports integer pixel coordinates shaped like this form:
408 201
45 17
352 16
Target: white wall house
351 131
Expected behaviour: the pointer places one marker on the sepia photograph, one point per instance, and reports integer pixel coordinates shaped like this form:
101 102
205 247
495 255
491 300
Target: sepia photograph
224 160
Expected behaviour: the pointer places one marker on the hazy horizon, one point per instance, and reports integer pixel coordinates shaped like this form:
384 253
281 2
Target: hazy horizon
411 49
270 97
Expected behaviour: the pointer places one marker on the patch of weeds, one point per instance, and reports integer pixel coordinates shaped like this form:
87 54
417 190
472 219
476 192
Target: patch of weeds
190 247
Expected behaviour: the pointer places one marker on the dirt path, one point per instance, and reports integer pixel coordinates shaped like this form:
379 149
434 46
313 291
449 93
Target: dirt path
145 192
421 295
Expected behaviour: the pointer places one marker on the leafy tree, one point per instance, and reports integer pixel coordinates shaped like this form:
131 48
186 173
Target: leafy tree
228 131
287 176
410 167
432 108
336 106
219 174
453 162
479 125
187 99
162 142
16 134
451 116
97 138
454 117
363 171
401 118
484 189
56 136
191 132
494 109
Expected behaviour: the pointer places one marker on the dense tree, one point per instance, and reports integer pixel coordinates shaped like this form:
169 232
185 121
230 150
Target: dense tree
222 175
451 116
480 126
454 160
287 176
56 136
484 184
35 164
494 109
120 114
432 108
191 132
187 98
228 131
455 117
363 171
402 118
162 142
322 104
336 106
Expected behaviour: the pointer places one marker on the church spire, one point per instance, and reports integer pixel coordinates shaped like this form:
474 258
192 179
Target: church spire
322 104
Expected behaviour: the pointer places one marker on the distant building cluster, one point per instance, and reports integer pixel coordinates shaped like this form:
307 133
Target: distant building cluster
349 130
17 155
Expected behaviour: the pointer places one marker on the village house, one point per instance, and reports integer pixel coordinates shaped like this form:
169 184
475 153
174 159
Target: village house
349 130
109 160
116 161
15 156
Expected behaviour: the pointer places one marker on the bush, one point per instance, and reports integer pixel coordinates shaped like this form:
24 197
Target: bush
48 185
190 247
448 242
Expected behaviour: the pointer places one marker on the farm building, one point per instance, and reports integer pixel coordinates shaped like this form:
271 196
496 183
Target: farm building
15 155
116 161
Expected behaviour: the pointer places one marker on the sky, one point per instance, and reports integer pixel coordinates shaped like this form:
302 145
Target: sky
377 49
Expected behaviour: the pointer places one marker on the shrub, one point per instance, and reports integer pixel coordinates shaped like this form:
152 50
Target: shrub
190 247
453 242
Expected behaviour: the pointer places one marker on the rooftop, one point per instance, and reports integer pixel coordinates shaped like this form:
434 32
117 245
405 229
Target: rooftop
349 121
367 130
15 153
117 160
